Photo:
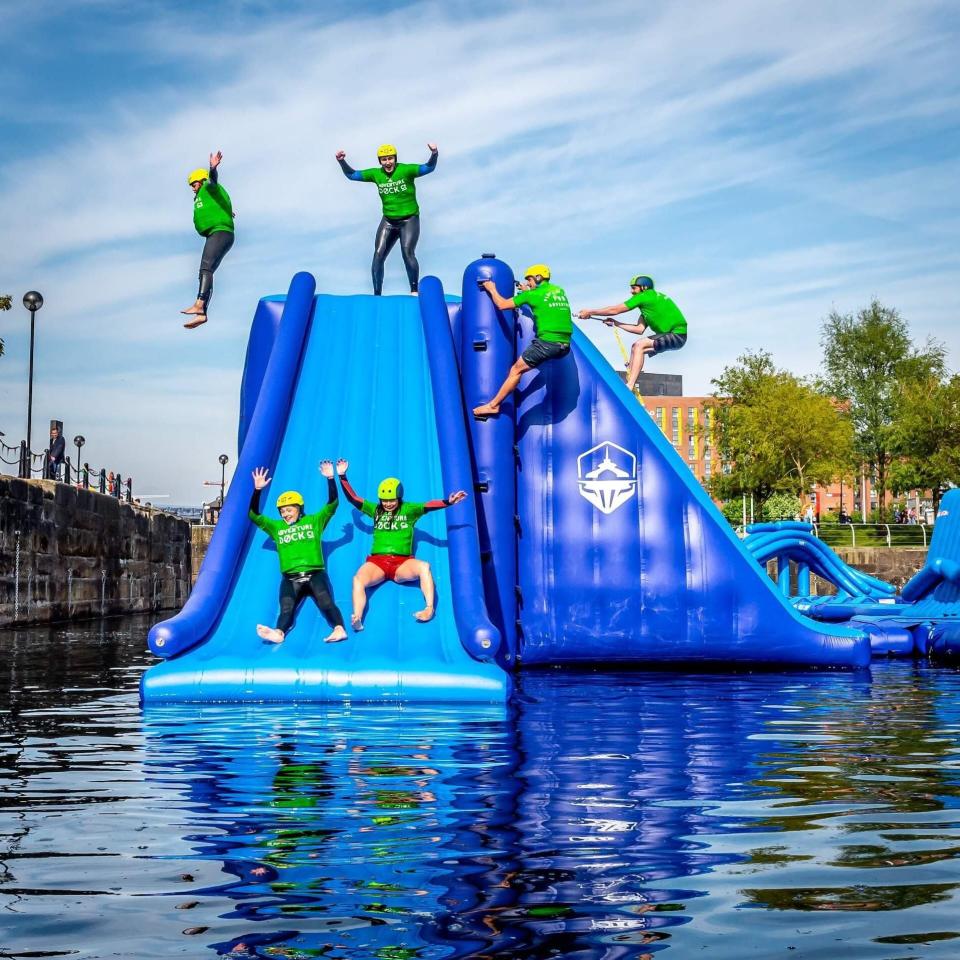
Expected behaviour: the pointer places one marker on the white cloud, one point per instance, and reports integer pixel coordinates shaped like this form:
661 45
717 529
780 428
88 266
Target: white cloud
709 143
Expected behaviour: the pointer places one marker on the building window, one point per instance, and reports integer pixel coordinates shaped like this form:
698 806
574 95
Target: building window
675 424
708 453
691 418
706 470
691 446
659 417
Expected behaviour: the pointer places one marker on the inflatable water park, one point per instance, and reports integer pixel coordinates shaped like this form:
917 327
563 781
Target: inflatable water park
584 539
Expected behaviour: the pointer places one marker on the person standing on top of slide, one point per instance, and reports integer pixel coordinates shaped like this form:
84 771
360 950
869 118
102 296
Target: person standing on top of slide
300 549
391 556
213 218
657 311
553 327
401 212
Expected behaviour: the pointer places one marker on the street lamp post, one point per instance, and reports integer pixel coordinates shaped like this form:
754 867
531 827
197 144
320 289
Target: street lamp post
79 440
223 476
33 301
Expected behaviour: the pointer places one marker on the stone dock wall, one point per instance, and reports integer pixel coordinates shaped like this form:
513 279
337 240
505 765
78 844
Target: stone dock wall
68 554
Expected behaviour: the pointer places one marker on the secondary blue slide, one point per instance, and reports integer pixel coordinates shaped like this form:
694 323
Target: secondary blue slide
586 539
621 554
344 377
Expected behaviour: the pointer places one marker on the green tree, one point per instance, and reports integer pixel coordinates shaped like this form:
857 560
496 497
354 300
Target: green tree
868 358
5 304
775 431
926 437
781 506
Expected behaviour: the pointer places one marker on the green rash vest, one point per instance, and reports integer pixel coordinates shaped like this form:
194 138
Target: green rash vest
393 532
212 209
298 544
551 312
398 194
660 313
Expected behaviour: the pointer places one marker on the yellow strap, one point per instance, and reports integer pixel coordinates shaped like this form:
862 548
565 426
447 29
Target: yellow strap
626 358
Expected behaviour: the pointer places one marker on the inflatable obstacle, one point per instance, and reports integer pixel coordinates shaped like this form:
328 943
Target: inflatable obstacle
586 539
923 618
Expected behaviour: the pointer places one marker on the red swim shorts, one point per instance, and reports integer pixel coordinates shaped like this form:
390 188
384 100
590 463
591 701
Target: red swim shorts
388 563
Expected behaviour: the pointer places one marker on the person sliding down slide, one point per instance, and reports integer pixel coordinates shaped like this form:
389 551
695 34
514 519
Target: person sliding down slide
299 547
391 557
401 212
657 311
213 218
552 323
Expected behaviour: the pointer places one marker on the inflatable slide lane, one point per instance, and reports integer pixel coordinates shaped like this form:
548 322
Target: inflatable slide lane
330 377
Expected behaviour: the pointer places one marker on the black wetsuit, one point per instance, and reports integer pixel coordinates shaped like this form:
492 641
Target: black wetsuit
295 586
215 248
406 228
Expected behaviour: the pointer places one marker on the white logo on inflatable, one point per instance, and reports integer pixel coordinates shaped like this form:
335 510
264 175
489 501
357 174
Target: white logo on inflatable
612 482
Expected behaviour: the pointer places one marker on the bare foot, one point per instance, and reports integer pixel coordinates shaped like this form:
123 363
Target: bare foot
424 615
336 635
269 634
486 410
196 308
196 321
356 621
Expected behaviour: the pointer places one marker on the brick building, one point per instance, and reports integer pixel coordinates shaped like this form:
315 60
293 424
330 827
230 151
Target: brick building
680 418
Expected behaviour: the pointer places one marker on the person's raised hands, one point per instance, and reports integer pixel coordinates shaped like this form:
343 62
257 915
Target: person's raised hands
341 154
326 468
260 478
456 497
215 159
342 466
432 147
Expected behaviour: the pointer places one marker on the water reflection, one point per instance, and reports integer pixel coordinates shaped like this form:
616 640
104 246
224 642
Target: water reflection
600 817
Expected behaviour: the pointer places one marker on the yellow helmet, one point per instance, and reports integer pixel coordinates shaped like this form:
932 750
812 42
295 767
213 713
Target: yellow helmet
390 489
540 269
387 150
198 174
290 499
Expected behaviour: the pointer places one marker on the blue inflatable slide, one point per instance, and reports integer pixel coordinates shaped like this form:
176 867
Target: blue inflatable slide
923 618
586 538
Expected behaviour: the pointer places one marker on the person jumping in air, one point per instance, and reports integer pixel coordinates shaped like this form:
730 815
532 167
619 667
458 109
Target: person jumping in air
299 547
657 311
213 218
553 327
401 212
391 556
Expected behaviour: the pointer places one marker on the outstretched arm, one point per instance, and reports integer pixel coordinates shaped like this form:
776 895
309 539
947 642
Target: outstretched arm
455 497
326 468
260 480
348 171
431 164
612 311
355 499
501 303
215 159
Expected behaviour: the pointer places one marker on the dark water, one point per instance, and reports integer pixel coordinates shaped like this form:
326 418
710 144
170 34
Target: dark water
603 816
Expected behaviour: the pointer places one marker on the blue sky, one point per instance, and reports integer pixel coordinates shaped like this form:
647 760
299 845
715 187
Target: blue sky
766 163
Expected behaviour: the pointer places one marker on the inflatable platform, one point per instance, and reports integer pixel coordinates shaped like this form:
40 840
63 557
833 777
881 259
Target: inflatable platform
586 538
923 618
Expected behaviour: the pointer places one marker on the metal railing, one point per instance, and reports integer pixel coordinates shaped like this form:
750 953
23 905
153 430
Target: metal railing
82 477
867 534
